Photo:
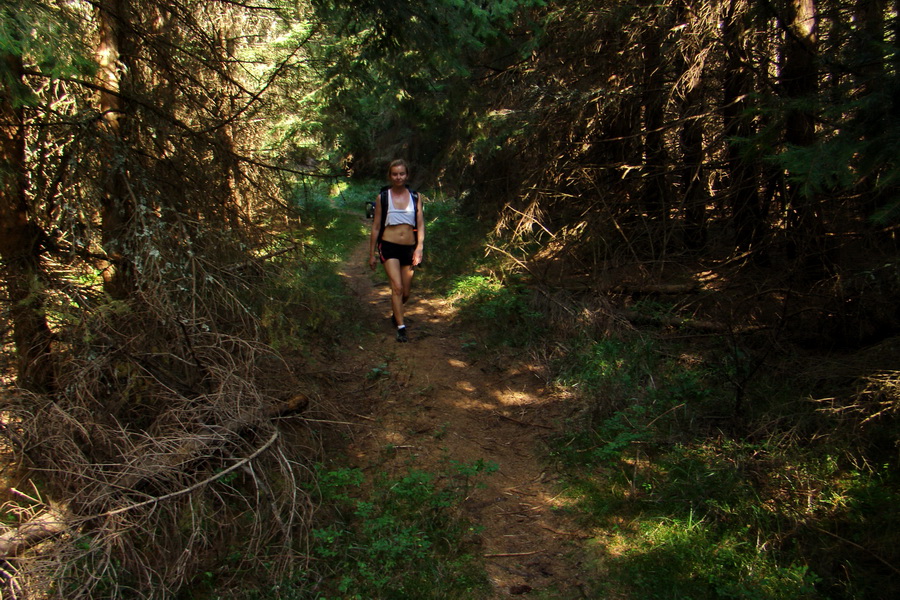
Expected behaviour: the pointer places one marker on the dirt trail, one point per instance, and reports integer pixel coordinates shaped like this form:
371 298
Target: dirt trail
442 406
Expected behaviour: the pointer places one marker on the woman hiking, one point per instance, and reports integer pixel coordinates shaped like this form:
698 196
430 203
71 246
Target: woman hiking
398 236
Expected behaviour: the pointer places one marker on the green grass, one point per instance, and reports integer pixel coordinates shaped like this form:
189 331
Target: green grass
454 244
500 310
392 537
704 504
710 478
402 537
306 295
675 558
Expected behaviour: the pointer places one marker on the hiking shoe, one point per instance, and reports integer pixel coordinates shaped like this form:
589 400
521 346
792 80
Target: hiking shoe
401 335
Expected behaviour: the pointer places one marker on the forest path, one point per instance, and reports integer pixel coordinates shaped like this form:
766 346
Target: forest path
435 404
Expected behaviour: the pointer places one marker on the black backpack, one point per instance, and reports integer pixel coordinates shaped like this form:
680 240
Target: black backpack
414 196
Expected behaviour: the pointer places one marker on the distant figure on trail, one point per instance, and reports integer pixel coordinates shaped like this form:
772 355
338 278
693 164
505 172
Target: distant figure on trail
398 236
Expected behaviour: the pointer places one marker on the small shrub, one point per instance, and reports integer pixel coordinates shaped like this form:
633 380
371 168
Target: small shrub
453 244
305 293
403 539
501 311
686 558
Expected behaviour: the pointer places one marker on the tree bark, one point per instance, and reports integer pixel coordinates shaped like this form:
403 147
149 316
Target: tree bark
798 75
225 146
117 203
871 72
20 241
656 190
690 137
870 40
738 126
798 81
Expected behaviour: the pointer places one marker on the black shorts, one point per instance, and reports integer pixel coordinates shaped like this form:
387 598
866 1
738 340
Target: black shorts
402 252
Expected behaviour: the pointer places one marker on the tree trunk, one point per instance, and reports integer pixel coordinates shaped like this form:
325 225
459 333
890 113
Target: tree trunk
690 137
798 75
869 45
798 81
20 241
655 189
747 213
231 169
117 203
869 42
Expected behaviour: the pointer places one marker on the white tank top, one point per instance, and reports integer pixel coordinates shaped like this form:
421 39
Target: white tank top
396 216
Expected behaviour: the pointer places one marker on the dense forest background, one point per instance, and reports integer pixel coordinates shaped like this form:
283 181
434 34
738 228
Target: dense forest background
719 177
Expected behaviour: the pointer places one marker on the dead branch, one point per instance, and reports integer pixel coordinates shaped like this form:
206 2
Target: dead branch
34 531
660 289
197 485
511 554
684 323
522 423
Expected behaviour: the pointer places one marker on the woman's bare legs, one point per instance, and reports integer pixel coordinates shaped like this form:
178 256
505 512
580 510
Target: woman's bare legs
401 283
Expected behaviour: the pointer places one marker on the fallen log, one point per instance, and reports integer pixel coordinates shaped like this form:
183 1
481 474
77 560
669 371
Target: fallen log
686 323
660 288
31 533
670 321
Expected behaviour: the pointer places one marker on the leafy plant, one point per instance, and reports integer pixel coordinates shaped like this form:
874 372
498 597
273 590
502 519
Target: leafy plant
686 558
305 293
453 243
400 539
501 310
378 372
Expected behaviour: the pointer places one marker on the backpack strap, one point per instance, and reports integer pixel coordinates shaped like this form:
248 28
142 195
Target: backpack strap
384 208
383 195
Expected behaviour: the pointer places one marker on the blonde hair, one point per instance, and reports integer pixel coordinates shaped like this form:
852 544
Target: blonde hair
398 163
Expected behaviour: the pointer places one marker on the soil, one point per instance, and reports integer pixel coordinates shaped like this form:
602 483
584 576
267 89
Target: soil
434 403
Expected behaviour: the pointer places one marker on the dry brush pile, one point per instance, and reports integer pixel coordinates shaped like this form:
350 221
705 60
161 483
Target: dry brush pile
166 450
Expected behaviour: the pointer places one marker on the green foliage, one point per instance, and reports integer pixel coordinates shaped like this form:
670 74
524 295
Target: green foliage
400 539
858 149
352 195
397 70
453 244
378 372
702 513
306 296
686 558
47 36
501 311
607 366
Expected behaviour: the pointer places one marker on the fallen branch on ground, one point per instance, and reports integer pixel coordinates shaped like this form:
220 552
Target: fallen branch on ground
510 554
46 525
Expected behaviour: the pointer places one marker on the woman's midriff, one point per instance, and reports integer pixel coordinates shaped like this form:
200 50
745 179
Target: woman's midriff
399 234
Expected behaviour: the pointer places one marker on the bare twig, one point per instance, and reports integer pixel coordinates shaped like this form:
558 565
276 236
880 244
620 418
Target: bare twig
858 547
523 423
197 485
512 554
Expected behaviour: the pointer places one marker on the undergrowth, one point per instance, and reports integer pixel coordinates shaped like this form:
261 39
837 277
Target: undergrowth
399 537
393 537
711 476
501 310
306 295
714 474
453 244
402 538
706 503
